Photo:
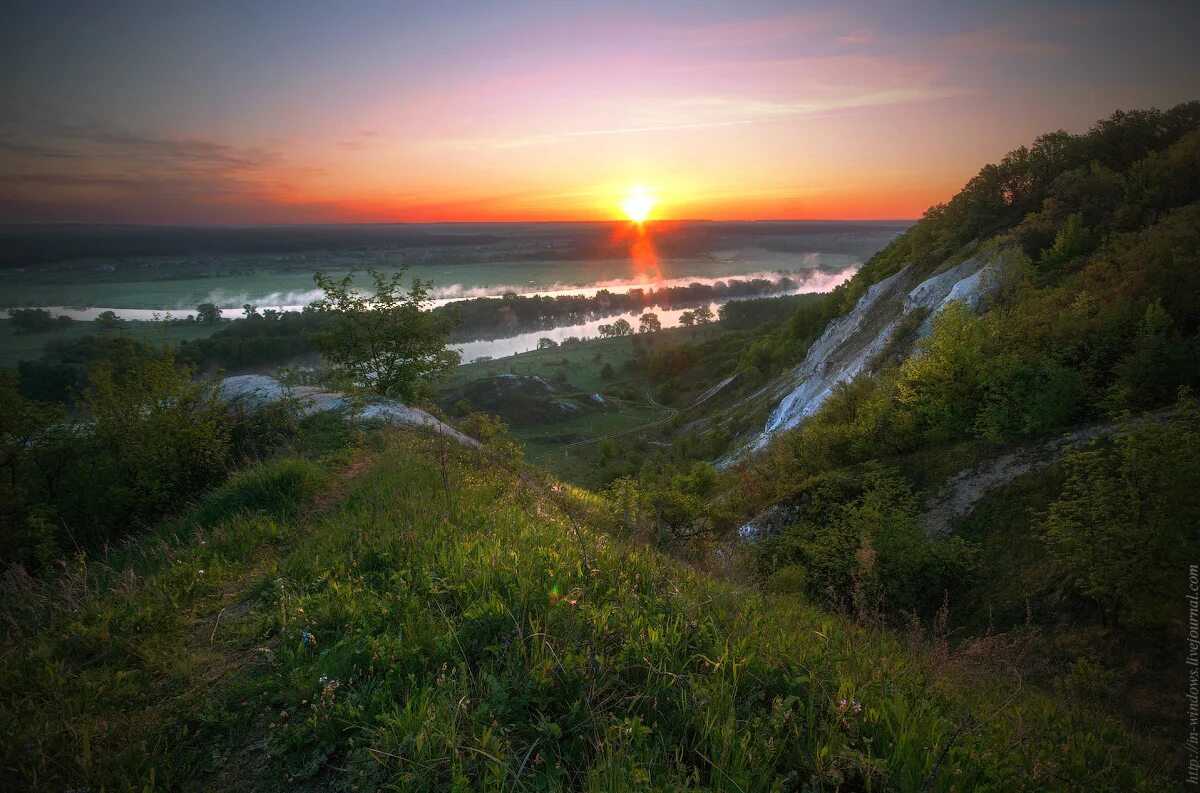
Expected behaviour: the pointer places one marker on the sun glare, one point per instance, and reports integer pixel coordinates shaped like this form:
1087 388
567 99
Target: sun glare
637 204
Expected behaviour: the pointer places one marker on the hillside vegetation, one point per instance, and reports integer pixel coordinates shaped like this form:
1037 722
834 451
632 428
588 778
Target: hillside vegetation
400 615
198 595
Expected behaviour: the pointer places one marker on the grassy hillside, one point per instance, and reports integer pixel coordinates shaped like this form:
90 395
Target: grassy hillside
400 615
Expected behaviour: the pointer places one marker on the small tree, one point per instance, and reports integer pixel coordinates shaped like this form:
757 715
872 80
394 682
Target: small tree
387 342
208 313
649 323
703 315
619 328
1123 526
108 320
607 371
546 343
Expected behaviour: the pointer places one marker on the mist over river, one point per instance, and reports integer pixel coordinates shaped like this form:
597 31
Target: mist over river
147 274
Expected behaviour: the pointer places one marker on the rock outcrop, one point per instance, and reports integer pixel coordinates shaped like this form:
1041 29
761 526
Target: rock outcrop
253 391
851 344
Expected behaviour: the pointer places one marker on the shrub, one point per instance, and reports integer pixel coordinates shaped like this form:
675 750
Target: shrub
492 432
147 440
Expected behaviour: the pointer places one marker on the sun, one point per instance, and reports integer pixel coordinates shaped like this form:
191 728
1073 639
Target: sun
638 203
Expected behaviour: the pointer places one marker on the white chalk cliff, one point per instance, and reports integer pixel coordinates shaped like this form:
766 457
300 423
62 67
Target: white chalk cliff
850 344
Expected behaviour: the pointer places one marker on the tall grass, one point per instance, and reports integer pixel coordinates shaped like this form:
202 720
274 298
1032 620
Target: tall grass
500 639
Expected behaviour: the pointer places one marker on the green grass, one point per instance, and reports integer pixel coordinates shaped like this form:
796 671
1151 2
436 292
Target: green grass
16 347
553 444
393 624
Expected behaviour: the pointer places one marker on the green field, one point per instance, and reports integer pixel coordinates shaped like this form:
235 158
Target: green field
16 347
568 447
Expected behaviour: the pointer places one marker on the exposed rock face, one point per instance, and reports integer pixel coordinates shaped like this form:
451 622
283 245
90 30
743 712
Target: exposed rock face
851 344
253 391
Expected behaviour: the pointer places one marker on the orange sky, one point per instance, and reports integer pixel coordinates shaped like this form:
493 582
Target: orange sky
371 112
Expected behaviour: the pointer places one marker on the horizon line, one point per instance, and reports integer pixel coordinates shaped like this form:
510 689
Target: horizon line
202 225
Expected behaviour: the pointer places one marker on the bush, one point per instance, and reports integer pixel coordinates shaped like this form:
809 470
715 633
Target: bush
36 320
860 540
492 432
146 441
1123 529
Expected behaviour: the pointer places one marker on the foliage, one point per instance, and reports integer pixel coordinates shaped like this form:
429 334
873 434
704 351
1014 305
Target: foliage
108 320
1123 528
208 314
145 441
385 342
492 432
859 536
61 374
37 320
378 641
614 329
649 323
1072 240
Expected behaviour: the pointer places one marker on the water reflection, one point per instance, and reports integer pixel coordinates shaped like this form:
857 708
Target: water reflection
524 342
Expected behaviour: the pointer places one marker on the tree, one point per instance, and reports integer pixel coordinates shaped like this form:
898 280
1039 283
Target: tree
208 313
36 320
386 342
607 371
1124 525
649 323
704 315
687 319
1072 240
546 343
619 328
108 320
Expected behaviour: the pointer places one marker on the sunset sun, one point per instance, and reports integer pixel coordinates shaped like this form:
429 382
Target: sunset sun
637 204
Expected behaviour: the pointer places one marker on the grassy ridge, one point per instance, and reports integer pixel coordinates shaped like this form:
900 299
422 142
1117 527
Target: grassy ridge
387 620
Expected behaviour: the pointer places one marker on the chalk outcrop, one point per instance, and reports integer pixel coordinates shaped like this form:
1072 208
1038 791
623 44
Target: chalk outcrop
253 391
851 344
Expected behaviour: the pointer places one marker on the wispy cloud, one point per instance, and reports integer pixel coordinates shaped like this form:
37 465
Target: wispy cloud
856 38
95 170
708 112
998 40
360 140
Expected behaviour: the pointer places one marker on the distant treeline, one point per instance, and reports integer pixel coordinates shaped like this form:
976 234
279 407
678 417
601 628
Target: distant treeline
485 316
44 244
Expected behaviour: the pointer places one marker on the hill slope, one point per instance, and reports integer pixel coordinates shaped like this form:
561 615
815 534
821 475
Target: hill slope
411 615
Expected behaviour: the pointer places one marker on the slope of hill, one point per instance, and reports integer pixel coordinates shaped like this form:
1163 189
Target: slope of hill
406 614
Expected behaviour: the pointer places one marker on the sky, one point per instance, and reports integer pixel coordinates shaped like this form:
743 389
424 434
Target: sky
256 112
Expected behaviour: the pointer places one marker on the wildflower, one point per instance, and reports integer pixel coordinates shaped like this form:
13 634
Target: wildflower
199 572
308 638
848 705
323 679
